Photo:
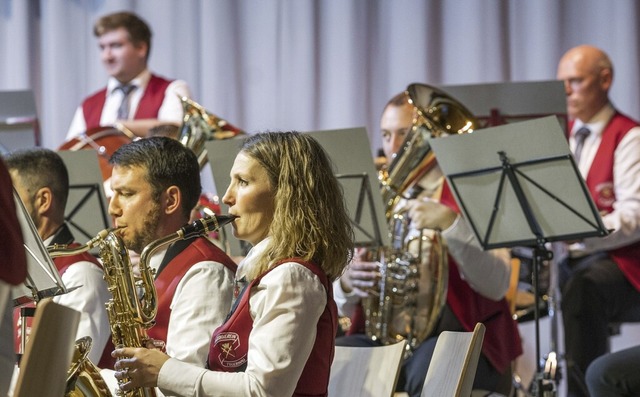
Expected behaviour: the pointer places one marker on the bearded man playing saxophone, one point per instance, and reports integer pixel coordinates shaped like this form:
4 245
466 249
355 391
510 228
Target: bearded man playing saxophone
477 279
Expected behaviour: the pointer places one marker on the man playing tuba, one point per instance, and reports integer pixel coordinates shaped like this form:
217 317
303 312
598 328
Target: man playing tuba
477 280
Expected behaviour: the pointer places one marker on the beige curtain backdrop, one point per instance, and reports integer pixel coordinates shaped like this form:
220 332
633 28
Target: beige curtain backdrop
312 64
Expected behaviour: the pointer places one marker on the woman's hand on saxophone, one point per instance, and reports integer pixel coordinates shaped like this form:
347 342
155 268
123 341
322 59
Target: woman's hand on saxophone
362 275
426 213
138 367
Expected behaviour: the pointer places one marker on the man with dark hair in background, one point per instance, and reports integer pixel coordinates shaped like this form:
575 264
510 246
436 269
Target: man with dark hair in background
42 182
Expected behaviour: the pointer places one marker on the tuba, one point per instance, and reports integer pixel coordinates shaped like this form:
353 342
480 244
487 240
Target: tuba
132 309
199 126
413 285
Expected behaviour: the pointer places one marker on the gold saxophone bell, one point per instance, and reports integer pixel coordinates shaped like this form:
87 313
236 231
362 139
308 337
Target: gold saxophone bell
413 286
199 126
83 377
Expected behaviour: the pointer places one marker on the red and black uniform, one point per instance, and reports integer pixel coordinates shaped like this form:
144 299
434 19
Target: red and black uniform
229 343
148 107
180 257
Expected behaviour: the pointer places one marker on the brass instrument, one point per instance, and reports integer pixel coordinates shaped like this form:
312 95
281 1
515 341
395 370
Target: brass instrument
413 286
132 309
199 126
83 377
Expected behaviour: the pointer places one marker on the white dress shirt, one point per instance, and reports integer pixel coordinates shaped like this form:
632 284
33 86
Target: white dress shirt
170 110
285 306
89 299
624 220
199 306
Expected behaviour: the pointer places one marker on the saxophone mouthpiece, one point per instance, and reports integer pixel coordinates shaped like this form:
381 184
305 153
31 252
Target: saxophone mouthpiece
206 225
99 237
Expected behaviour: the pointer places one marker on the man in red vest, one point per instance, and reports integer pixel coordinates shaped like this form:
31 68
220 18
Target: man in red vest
156 184
600 278
133 97
13 271
477 279
42 182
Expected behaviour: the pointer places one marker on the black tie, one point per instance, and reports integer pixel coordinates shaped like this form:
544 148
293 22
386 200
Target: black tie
580 136
123 110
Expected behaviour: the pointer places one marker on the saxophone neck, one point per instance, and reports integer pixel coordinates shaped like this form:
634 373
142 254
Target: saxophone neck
200 227
56 250
155 245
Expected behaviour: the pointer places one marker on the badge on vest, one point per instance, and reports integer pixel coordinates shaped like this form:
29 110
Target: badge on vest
604 195
227 344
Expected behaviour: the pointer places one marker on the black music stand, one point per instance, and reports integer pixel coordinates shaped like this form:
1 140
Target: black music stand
518 185
86 212
495 104
43 279
350 151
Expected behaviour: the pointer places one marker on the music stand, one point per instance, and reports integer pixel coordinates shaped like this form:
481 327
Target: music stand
496 104
86 212
43 279
349 149
18 121
518 184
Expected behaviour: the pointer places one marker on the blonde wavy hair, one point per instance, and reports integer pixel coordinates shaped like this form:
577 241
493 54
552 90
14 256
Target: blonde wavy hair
310 219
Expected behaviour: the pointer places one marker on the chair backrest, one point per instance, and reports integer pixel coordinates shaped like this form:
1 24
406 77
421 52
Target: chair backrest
454 363
365 371
47 358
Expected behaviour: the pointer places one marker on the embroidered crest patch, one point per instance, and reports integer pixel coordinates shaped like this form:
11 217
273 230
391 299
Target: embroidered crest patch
228 344
605 196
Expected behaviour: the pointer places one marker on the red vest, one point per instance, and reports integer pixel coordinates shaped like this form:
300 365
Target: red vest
167 281
233 337
601 185
147 108
13 267
62 263
502 342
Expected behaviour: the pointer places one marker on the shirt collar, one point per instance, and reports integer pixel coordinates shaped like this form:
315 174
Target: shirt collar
139 81
598 122
250 260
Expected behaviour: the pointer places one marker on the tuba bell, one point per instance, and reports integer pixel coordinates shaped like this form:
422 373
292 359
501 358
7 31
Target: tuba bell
412 289
199 126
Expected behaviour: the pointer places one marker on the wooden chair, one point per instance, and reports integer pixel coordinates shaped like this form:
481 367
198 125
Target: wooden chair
366 371
44 365
454 363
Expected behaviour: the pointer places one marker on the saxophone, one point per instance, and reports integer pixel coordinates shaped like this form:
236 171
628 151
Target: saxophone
133 306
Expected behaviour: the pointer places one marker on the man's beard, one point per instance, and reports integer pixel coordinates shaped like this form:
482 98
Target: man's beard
148 232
